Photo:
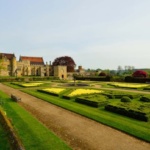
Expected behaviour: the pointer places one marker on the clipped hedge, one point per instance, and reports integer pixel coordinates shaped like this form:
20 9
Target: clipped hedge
66 97
91 103
113 95
87 102
27 78
46 92
145 99
129 113
94 78
137 79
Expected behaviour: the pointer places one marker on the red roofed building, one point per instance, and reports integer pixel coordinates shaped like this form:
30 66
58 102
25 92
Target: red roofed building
33 60
26 66
7 56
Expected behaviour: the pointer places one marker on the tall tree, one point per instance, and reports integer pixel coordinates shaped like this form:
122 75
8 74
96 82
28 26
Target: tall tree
119 69
65 61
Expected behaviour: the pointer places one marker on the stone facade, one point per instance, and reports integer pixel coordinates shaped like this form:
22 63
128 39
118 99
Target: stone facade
26 66
60 71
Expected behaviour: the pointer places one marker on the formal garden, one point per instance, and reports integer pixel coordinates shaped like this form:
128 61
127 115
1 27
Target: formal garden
123 106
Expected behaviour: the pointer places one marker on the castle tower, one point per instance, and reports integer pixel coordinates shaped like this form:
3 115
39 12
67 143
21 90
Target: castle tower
60 71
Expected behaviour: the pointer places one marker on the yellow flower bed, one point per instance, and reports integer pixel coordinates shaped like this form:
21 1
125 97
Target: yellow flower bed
31 84
129 85
84 91
54 90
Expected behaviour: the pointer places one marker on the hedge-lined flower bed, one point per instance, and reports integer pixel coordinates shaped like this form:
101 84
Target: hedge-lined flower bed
31 84
136 110
127 112
83 91
52 91
129 85
116 95
28 84
93 100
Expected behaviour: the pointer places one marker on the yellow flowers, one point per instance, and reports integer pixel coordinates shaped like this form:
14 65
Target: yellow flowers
31 84
84 91
54 90
129 85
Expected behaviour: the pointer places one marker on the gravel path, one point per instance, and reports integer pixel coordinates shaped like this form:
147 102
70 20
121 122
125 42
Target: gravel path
79 132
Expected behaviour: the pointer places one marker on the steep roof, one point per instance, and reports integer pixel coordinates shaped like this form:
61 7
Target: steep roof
7 55
33 60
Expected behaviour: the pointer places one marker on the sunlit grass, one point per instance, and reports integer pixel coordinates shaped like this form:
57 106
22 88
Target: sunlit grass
4 144
33 134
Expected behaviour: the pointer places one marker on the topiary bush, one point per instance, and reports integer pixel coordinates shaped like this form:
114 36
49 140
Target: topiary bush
125 99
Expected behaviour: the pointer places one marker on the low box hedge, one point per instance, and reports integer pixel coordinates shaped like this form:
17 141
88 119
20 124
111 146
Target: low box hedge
145 99
66 97
90 102
118 96
54 94
127 112
87 102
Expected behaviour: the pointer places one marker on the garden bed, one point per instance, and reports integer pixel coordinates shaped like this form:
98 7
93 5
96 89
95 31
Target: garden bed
134 110
93 100
28 84
129 85
52 91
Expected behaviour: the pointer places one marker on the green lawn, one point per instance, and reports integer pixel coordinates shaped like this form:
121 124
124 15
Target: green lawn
4 144
128 125
133 127
32 133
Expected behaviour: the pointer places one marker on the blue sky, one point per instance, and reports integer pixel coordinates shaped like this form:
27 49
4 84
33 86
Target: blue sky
101 34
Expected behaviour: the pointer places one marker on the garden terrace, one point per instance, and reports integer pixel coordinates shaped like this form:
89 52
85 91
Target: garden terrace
93 100
134 108
131 126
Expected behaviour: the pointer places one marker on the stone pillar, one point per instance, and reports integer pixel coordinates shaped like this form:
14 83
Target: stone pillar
14 66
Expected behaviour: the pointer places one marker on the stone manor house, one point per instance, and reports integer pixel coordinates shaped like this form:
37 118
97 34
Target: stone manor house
28 66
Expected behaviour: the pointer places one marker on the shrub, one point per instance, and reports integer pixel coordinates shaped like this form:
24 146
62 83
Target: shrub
127 112
125 99
87 102
66 97
102 74
145 99
140 73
